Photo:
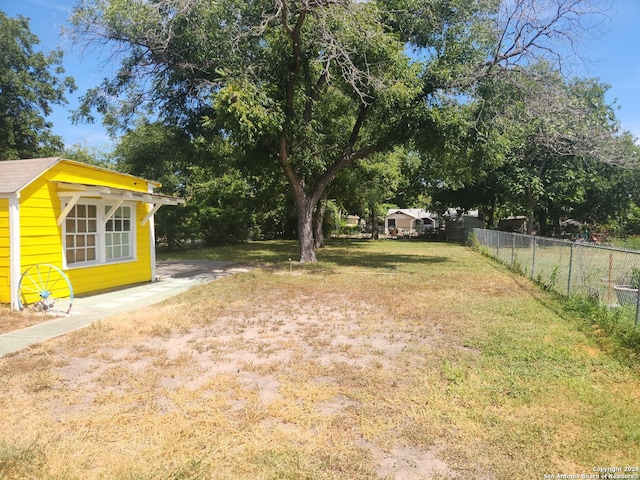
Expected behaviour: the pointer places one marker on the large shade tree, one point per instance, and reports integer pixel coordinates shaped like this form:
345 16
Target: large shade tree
311 85
31 82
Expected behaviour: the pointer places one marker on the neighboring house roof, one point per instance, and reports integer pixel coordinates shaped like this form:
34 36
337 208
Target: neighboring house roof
417 213
15 175
571 222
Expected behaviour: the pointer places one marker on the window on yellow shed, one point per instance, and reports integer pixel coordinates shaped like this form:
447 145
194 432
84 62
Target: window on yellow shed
118 234
81 234
91 238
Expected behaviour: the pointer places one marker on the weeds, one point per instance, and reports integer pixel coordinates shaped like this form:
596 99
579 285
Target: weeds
611 321
21 462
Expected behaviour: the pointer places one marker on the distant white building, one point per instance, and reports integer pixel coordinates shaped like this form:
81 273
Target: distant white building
408 221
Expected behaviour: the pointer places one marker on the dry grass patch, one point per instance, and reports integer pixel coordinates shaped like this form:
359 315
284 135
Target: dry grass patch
386 360
11 320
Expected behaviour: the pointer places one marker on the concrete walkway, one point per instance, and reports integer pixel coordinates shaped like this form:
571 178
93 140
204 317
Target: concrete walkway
173 278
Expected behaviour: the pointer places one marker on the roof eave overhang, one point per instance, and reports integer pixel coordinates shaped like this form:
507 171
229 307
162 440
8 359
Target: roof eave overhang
76 191
406 214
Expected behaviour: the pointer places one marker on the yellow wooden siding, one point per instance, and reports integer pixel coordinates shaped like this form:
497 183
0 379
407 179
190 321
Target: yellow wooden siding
5 294
41 237
40 240
74 173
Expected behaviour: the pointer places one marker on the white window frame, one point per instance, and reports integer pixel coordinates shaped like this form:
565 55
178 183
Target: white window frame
114 217
103 207
85 232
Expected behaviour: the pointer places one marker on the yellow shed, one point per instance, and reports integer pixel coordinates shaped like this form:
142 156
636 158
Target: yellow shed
94 224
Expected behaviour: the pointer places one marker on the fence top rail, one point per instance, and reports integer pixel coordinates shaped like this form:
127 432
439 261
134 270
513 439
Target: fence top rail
562 241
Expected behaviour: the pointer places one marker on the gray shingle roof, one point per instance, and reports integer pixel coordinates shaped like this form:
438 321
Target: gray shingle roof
17 174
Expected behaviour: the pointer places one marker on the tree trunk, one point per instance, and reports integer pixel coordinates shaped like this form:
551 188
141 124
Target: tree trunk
543 225
531 204
318 219
374 223
491 221
556 224
304 207
305 230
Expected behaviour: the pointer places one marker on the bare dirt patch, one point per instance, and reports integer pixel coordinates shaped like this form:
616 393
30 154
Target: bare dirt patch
292 364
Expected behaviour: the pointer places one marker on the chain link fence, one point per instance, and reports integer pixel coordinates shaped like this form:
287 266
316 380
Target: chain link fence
610 275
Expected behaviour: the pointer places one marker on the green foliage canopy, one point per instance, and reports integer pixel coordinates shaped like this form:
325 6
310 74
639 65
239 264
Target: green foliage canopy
553 142
30 83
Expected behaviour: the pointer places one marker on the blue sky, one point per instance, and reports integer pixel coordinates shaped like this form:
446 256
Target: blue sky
613 57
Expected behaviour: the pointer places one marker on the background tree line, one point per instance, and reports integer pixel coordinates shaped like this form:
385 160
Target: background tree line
264 113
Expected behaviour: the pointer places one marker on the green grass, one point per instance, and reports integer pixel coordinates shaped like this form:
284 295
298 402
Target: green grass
389 359
629 243
19 461
251 252
593 299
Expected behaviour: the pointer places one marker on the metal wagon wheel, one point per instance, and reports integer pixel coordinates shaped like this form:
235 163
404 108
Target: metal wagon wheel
45 288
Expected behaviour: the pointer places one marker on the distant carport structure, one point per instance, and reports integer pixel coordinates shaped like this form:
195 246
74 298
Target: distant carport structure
513 224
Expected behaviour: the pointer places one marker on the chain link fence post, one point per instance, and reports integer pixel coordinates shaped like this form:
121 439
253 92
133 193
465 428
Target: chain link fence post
637 307
570 270
533 260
